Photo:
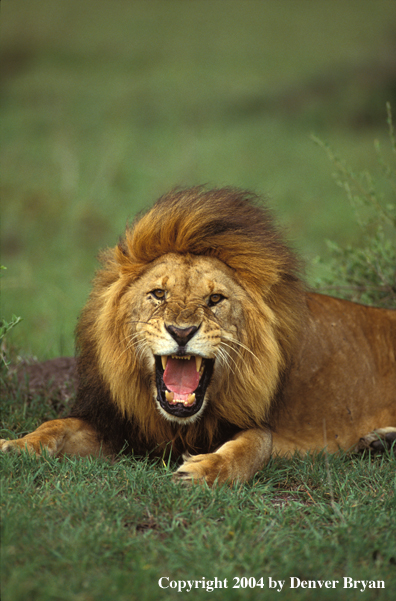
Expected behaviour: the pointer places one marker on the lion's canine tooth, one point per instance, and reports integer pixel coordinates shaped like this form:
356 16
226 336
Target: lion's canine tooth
169 396
164 360
190 400
198 362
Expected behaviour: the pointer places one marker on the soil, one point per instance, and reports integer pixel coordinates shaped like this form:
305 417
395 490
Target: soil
55 379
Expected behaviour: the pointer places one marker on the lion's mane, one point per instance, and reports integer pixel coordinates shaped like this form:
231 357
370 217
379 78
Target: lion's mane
229 225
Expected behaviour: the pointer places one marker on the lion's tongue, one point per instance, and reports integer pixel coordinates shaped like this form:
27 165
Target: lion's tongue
181 376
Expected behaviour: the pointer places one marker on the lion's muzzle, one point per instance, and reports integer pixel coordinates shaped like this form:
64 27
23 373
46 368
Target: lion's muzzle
182 381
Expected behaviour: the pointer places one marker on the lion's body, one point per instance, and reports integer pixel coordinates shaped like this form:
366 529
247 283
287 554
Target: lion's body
198 337
342 384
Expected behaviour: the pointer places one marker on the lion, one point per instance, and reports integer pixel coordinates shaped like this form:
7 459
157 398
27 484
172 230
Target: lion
200 340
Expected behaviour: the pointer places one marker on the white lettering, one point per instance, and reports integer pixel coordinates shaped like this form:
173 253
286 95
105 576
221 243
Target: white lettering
297 583
160 582
364 584
294 582
278 584
187 585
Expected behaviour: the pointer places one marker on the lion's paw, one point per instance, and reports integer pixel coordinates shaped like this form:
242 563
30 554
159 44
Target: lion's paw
9 446
379 440
18 445
209 468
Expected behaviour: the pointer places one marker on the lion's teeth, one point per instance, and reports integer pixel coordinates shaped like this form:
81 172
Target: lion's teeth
164 360
169 396
190 400
198 362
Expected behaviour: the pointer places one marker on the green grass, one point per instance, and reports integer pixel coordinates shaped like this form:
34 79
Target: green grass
97 530
105 106
89 529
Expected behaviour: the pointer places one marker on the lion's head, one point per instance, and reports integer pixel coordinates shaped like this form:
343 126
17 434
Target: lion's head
194 315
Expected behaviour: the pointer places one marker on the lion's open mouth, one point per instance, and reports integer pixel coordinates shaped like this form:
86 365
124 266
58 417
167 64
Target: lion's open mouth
182 382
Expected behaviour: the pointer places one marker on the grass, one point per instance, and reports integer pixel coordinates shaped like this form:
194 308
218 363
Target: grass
89 529
104 109
366 273
125 525
97 529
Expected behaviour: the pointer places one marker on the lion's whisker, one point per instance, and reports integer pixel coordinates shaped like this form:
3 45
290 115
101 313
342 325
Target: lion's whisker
227 357
140 350
134 343
236 351
131 337
237 342
224 362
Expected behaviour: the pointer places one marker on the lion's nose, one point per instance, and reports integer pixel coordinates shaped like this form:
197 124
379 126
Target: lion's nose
182 335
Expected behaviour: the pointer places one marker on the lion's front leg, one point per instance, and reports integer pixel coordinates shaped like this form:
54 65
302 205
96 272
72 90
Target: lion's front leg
236 460
70 436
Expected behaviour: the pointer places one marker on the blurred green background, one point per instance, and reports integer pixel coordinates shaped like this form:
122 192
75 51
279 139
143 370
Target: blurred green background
108 104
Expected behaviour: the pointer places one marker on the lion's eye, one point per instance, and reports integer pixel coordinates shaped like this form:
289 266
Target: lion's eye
214 299
158 293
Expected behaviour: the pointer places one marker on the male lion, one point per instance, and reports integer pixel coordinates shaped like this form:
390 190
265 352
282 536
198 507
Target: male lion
199 338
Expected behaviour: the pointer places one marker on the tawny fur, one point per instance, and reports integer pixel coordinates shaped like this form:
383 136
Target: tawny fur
304 370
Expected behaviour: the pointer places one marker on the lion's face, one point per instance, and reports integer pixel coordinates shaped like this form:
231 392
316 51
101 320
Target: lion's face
187 319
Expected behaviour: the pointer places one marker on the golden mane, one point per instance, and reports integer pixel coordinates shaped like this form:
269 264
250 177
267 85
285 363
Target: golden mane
225 223
231 226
